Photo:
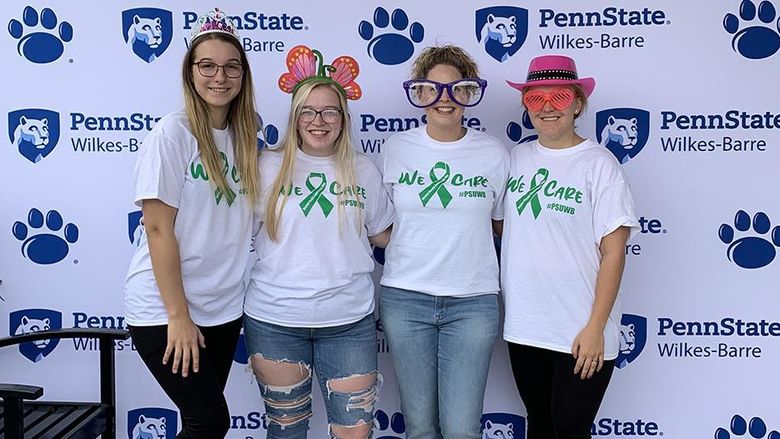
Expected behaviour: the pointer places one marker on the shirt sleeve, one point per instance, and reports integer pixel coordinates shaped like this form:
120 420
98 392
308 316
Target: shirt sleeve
161 169
380 212
613 204
500 179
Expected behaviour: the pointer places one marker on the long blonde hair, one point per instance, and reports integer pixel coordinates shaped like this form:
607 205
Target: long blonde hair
241 119
344 157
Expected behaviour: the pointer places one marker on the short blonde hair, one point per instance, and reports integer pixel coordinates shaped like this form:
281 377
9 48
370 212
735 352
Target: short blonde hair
449 55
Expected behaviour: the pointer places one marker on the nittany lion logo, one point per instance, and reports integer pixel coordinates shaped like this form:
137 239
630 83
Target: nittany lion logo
147 31
151 423
502 426
633 336
501 30
134 228
624 131
34 132
27 321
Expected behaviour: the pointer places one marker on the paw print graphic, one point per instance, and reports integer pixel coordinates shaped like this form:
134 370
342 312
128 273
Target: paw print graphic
755 41
390 427
267 137
740 428
392 47
45 248
750 251
515 130
42 45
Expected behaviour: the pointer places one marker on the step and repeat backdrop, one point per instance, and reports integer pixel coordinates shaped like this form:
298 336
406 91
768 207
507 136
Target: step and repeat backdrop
686 99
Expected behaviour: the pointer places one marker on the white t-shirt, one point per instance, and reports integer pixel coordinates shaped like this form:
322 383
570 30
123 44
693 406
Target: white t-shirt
213 229
318 273
445 194
559 204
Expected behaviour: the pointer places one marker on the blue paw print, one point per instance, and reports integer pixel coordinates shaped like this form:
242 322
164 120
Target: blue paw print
515 131
750 251
754 42
267 135
43 46
394 423
268 138
45 248
391 48
740 427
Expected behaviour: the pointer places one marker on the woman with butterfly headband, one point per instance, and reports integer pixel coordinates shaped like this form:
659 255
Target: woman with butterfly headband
310 303
196 182
569 212
439 298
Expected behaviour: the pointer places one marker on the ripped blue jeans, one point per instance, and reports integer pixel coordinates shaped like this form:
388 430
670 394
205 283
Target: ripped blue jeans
334 355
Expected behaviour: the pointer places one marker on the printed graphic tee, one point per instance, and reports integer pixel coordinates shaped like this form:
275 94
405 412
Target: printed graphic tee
558 206
212 228
445 195
318 273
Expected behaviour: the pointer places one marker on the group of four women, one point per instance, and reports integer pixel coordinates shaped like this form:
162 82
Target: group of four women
313 207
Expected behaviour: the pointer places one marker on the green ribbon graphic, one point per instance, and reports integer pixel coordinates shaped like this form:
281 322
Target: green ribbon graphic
316 196
218 193
532 196
437 186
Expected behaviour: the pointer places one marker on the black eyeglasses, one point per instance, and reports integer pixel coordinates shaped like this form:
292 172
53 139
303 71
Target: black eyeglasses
209 69
329 115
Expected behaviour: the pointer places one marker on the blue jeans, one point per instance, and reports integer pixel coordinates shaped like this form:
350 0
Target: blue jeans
441 349
330 353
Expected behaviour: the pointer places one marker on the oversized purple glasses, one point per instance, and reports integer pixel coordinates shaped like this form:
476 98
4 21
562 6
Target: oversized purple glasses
465 92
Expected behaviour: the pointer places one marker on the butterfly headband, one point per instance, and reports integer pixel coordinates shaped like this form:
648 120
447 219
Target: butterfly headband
306 65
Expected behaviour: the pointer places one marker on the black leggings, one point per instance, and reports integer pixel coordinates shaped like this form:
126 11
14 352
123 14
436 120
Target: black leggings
200 396
560 405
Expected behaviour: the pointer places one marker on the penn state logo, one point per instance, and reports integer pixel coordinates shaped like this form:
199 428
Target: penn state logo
151 423
134 228
502 30
624 131
27 321
633 337
34 132
147 31
502 426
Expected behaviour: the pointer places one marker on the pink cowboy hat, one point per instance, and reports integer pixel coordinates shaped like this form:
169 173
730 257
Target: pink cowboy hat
554 70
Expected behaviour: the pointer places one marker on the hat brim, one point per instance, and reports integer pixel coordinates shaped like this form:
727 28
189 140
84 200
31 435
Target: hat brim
586 84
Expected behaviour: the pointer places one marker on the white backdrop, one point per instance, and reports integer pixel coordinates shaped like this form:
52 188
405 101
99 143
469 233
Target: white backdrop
697 79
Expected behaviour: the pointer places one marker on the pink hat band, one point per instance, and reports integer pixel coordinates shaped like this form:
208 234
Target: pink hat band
554 70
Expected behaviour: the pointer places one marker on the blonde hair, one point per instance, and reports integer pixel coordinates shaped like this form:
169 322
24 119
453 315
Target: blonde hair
344 157
241 119
449 55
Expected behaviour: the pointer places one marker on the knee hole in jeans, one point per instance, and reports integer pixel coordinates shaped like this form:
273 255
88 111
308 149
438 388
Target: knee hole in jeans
362 390
280 375
361 430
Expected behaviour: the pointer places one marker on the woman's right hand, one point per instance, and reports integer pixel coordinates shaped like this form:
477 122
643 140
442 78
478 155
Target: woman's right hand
184 341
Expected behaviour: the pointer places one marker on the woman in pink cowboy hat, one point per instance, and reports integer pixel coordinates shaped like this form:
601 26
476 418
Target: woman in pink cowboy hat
569 212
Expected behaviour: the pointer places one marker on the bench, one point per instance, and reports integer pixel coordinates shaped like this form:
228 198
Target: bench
23 417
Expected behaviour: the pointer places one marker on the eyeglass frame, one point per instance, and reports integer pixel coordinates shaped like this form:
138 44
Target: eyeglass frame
440 90
319 113
222 66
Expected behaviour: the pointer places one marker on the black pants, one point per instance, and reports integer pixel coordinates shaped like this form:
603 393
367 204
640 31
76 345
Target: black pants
560 405
200 396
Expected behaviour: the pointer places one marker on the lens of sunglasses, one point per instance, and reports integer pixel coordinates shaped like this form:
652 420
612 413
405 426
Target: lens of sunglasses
422 94
466 92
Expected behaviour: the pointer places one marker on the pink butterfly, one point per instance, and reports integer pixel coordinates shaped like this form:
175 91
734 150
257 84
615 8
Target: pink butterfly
304 63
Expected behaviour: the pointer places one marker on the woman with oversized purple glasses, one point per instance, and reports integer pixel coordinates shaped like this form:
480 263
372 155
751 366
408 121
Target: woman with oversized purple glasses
438 302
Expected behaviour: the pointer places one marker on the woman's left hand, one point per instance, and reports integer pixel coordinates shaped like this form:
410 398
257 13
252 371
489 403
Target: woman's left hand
588 351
